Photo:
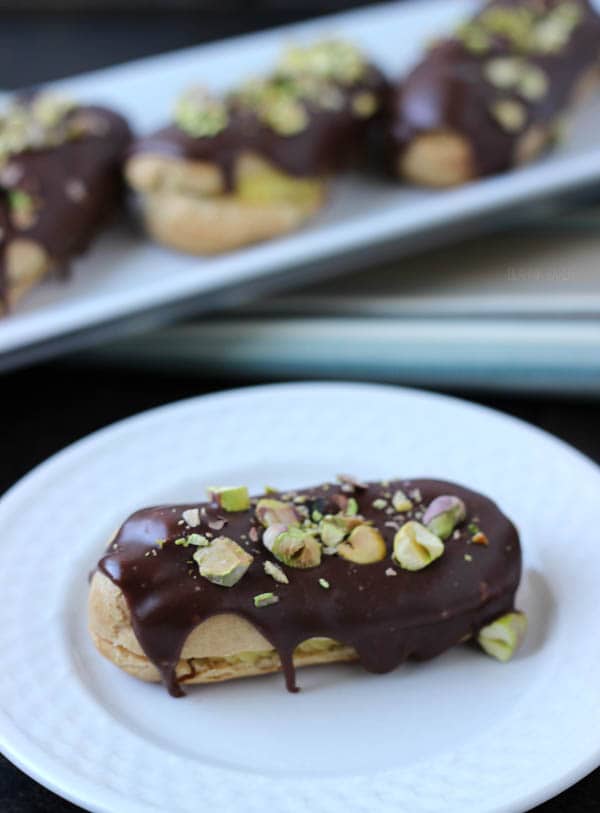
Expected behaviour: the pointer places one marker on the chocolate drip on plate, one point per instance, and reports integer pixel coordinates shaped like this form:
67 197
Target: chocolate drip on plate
386 618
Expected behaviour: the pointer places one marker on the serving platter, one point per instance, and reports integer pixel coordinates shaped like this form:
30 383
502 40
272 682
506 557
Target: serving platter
125 283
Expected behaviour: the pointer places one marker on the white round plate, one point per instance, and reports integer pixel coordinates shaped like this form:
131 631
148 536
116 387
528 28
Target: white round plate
459 734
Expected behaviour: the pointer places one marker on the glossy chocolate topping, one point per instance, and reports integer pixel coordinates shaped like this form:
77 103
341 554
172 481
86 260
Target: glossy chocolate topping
332 138
450 90
72 188
386 618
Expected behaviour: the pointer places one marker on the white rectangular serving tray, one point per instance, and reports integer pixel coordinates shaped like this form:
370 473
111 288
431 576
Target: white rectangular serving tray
126 283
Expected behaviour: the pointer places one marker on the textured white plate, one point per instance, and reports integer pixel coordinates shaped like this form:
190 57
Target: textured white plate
126 275
460 734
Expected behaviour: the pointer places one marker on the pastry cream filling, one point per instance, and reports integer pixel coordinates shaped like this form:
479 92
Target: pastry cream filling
311 646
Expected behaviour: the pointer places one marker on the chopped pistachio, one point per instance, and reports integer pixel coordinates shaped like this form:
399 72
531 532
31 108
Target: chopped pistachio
351 507
223 561
400 502
297 548
389 571
364 104
199 114
197 539
503 72
415 547
533 83
480 538
379 504
444 514
324 584
273 570
191 517
510 114
474 38
275 512
332 530
503 637
332 59
271 533
230 498
265 599
49 108
364 546
22 208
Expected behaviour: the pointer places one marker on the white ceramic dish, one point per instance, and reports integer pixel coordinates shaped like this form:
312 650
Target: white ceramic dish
459 734
125 276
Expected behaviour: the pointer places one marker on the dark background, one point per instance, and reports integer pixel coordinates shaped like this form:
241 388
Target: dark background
49 406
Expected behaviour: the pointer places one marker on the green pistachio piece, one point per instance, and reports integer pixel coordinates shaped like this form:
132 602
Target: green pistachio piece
334 529
324 584
332 59
199 114
503 72
22 208
415 546
230 498
474 37
276 512
510 114
49 109
364 104
551 34
364 546
533 83
400 502
273 570
351 507
297 548
191 517
503 637
192 539
444 514
265 599
223 561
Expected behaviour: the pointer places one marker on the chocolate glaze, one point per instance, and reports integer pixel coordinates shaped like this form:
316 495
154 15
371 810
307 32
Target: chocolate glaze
75 185
387 619
331 140
447 90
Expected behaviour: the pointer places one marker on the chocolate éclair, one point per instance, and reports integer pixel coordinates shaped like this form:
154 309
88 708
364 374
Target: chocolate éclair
60 180
232 170
494 94
378 572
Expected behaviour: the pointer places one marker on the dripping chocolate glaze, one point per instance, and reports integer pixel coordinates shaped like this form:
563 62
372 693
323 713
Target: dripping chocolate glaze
447 90
332 139
387 619
75 186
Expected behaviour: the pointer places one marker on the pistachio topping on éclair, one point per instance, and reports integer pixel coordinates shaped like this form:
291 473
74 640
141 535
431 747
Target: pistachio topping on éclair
334 561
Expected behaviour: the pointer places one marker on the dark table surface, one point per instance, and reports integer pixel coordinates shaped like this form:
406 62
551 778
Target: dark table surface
50 406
